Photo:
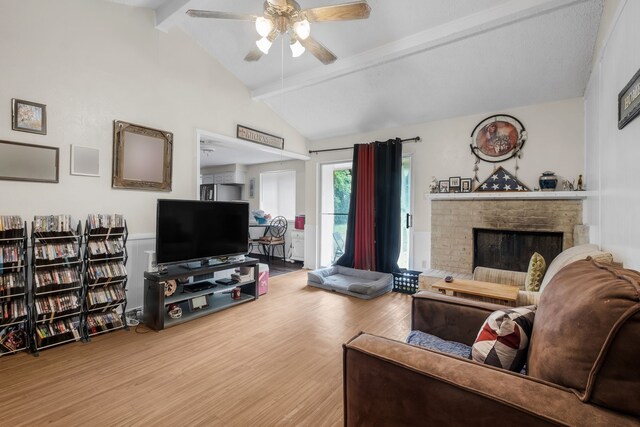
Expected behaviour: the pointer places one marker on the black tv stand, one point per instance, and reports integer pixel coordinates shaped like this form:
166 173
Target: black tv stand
215 297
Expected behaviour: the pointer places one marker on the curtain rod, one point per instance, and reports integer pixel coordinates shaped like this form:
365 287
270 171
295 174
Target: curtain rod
416 139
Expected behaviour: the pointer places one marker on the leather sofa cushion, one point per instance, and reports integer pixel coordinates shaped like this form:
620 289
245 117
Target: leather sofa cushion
573 254
585 335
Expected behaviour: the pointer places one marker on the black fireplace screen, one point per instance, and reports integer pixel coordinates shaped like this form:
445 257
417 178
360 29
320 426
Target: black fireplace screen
512 250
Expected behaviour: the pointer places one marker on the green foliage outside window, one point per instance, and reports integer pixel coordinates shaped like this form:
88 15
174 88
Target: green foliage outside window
341 195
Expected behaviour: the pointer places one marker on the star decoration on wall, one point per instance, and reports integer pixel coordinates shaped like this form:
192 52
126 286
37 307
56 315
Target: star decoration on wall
501 180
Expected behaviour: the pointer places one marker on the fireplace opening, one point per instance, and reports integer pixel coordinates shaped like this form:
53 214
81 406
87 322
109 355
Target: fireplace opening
511 249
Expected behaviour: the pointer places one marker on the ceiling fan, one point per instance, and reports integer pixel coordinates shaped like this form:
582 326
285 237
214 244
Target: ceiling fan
285 16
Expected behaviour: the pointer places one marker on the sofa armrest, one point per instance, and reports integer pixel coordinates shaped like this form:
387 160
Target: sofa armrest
450 318
503 277
388 382
528 298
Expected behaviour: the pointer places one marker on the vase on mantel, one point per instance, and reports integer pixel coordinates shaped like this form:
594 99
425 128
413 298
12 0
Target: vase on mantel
548 181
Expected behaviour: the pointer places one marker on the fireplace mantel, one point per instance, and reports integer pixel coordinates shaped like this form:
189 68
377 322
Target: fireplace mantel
510 195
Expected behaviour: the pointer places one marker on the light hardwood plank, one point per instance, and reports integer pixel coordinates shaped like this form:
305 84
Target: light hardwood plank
276 361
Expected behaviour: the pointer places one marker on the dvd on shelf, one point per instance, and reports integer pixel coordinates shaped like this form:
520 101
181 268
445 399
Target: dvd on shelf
14 308
103 322
105 273
57 290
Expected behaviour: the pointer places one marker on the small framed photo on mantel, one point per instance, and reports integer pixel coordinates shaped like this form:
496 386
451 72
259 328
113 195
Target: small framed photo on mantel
454 184
443 186
465 185
28 116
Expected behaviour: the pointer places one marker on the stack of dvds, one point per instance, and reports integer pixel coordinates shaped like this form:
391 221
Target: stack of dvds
13 291
106 272
57 281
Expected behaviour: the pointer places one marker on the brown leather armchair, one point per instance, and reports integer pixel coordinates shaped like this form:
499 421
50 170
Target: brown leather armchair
582 361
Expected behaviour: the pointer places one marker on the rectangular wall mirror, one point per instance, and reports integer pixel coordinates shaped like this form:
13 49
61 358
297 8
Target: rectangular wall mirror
141 157
28 162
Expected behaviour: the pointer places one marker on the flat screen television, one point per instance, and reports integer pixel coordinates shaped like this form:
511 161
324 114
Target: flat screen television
194 230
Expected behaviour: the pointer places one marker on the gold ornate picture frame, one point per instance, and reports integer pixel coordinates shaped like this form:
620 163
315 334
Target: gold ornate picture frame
142 157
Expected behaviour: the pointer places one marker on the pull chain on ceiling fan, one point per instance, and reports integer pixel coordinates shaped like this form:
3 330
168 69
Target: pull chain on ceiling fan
285 16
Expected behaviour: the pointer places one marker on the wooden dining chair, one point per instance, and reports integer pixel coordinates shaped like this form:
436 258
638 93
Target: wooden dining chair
273 237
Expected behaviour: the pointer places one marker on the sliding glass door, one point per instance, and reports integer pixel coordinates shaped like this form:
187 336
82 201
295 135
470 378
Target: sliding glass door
335 194
406 216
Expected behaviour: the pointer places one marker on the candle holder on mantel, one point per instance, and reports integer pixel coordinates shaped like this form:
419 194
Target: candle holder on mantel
548 181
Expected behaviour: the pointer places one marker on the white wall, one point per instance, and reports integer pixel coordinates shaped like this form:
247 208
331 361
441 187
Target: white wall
556 143
612 154
92 62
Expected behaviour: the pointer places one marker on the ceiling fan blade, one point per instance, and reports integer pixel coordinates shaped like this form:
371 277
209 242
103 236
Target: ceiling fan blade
322 53
220 15
253 55
339 12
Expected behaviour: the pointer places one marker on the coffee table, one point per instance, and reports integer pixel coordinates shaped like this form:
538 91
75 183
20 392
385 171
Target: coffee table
502 294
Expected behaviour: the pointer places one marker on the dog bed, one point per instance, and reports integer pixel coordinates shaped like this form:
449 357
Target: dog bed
357 283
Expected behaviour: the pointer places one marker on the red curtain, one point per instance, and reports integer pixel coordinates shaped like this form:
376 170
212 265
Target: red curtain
365 247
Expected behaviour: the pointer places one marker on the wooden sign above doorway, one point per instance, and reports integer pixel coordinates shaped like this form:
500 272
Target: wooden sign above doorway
259 137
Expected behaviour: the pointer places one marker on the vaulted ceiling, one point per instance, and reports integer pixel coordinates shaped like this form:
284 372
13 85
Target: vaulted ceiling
412 61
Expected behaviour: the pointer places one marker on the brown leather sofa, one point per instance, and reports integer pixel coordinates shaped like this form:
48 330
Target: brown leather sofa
583 367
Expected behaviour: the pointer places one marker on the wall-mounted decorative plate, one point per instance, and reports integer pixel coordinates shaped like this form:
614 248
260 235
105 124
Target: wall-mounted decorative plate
498 138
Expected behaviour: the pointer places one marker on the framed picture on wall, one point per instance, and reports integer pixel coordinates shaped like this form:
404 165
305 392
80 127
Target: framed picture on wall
141 157
465 185
443 186
85 161
252 188
28 116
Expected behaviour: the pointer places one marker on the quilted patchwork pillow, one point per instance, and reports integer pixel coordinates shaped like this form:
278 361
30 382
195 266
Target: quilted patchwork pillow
535 273
503 339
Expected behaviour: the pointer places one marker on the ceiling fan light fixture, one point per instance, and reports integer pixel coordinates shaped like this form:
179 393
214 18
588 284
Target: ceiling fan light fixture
302 29
263 26
264 44
296 49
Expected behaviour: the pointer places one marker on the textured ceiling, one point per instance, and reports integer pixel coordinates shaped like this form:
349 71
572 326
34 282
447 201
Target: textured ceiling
412 61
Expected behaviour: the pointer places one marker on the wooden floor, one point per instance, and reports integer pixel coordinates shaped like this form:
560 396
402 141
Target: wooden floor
275 361
277 266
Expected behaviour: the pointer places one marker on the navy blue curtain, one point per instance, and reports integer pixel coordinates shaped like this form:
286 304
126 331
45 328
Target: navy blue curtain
387 190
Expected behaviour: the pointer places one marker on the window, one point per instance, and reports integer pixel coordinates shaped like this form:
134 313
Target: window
278 193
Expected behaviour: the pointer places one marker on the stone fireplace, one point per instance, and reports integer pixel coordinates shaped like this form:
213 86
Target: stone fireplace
454 218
